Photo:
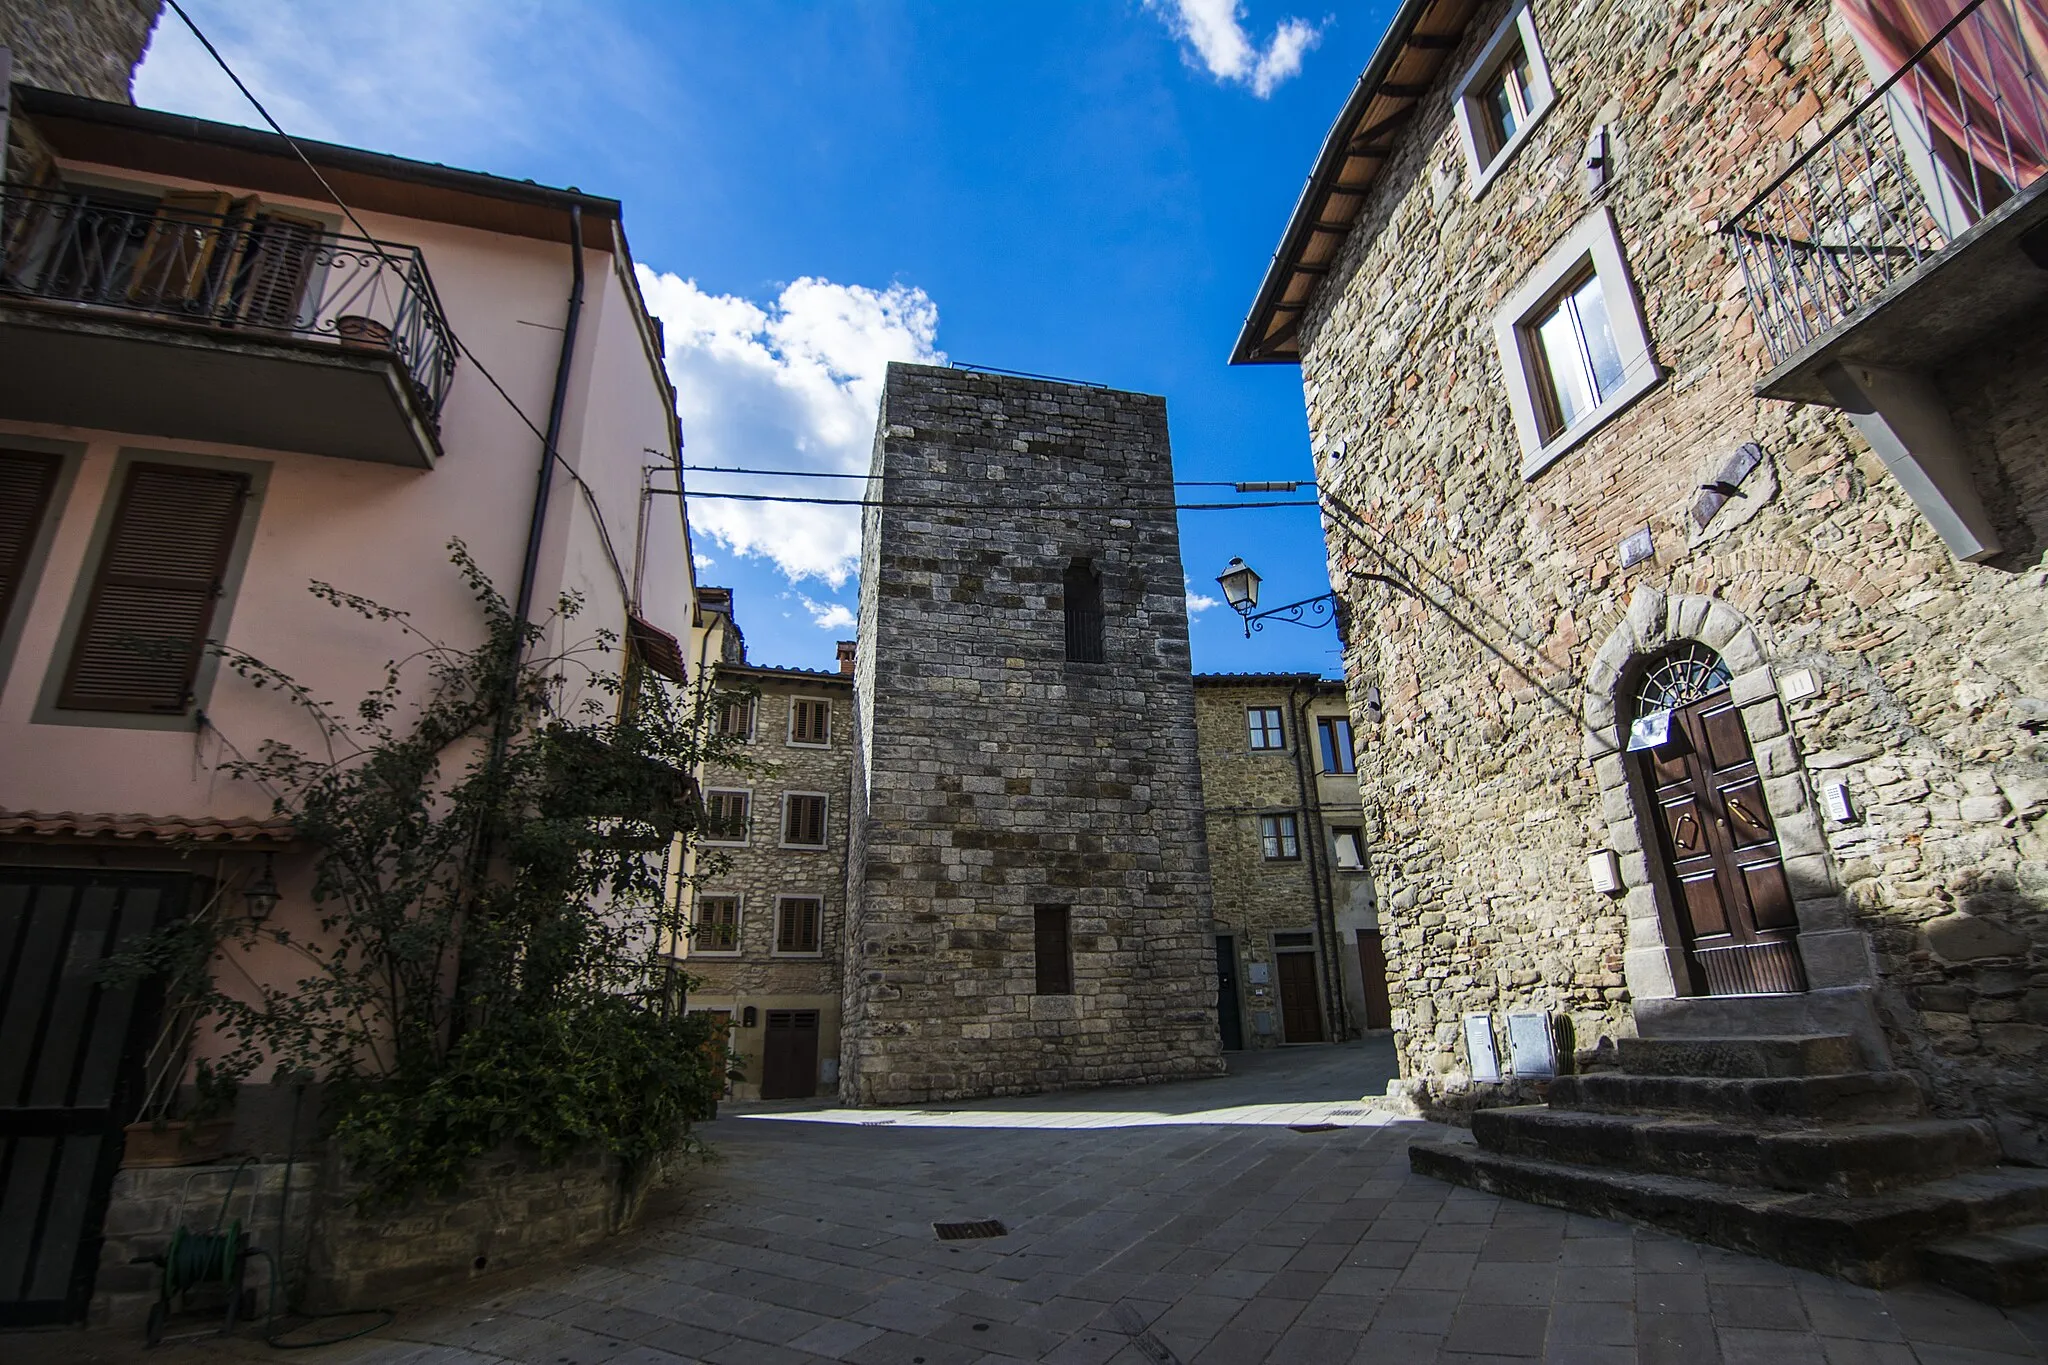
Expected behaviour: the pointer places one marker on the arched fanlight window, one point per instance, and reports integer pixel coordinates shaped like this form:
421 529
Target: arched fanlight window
1679 678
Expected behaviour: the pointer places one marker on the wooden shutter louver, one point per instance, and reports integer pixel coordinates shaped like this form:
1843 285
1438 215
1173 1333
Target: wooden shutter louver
806 820
28 478
177 254
1052 950
798 931
810 722
153 595
280 262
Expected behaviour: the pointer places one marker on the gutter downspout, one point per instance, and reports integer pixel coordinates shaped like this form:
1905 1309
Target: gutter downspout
1334 1013
544 484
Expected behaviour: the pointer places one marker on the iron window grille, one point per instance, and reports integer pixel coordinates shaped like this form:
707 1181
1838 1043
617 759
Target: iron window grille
1082 589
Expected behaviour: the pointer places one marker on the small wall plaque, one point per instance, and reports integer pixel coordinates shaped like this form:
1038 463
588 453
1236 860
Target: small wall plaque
1798 685
1530 1048
1834 799
1479 1050
1637 548
1259 973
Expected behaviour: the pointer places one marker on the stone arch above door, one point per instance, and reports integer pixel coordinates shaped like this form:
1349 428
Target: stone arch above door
1835 954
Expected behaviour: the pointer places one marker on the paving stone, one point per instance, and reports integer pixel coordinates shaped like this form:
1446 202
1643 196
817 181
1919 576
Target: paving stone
1494 1329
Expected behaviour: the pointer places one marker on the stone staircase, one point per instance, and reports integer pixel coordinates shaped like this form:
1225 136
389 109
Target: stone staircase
1783 1147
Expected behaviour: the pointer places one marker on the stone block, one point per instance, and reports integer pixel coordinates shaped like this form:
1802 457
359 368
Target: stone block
1961 937
1837 957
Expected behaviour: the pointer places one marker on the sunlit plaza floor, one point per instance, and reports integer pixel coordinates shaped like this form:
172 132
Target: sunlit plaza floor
1266 1216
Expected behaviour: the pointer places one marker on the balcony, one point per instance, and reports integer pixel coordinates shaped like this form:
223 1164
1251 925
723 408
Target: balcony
203 317
1912 232
1898 237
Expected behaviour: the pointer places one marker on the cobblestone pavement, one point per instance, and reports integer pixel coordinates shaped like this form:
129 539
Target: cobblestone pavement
1192 1223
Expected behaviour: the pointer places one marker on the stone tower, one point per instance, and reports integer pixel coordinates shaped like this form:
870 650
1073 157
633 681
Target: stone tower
1028 883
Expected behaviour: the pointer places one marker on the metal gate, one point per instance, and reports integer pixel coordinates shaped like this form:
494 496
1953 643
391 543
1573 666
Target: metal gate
69 1071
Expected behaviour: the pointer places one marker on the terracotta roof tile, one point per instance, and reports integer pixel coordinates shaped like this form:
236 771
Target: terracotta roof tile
32 824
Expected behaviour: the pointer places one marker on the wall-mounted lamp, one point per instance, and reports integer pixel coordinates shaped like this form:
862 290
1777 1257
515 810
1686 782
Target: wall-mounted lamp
1240 584
262 894
748 1017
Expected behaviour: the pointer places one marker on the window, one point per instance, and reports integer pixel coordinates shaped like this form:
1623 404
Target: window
796 923
1503 95
28 481
1573 354
736 717
1335 734
1573 347
803 820
1082 587
1279 837
725 816
1052 950
718 925
810 721
1267 731
1347 848
160 576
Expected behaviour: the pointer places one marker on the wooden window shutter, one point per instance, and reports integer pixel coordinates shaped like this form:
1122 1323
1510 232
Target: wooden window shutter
282 251
154 590
1052 950
806 820
28 479
798 931
173 264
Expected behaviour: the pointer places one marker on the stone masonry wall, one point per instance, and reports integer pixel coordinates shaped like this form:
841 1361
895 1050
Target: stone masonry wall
82 47
1255 896
761 870
1931 674
998 777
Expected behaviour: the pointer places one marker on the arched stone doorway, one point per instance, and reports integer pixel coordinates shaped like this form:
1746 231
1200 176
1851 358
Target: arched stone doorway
1712 847
1739 697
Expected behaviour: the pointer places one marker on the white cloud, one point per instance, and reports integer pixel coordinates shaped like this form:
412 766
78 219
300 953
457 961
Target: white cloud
794 384
1214 32
830 615
1199 602
702 561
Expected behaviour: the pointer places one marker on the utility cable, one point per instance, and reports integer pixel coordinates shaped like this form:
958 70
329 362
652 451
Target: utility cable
1269 486
590 497
998 507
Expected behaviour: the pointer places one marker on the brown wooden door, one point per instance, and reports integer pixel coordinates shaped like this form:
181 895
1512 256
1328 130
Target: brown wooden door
1372 973
789 1055
1301 1008
1721 852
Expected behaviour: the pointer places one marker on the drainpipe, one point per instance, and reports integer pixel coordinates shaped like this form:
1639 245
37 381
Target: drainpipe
1334 1013
545 483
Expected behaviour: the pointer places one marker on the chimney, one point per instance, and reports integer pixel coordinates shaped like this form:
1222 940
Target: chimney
847 650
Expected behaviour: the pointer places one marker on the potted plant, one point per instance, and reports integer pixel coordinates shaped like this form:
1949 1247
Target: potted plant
365 333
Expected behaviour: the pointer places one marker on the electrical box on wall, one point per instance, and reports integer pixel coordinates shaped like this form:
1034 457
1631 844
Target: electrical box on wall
1604 870
1834 799
1480 1054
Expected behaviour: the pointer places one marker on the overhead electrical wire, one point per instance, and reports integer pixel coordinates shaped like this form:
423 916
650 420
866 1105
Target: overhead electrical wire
589 494
912 505
1242 486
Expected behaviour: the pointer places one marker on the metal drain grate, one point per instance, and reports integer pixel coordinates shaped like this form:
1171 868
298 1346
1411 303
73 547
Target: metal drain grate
1348 1113
1314 1127
961 1232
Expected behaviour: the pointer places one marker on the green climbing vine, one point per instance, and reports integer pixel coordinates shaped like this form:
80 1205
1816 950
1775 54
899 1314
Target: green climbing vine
493 828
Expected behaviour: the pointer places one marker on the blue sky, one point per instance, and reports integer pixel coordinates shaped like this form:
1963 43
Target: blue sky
1088 190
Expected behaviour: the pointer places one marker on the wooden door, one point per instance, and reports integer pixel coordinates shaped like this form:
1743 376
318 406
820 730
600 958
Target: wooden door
1229 1014
1372 972
789 1055
68 1074
1721 852
1301 1006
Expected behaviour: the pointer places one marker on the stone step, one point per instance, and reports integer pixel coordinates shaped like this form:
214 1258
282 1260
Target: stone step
1810 1054
1846 1160
1853 1097
2007 1268
1873 1241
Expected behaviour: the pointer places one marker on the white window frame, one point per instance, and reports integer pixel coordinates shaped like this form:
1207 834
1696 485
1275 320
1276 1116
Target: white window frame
745 837
1253 732
1481 169
824 824
782 898
1593 242
789 728
739 923
1357 835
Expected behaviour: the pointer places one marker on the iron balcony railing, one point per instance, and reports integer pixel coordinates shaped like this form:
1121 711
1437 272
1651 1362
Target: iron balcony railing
253 271
1959 128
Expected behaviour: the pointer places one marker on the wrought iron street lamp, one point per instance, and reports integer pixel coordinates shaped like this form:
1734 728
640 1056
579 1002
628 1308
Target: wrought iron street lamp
1240 584
262 894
